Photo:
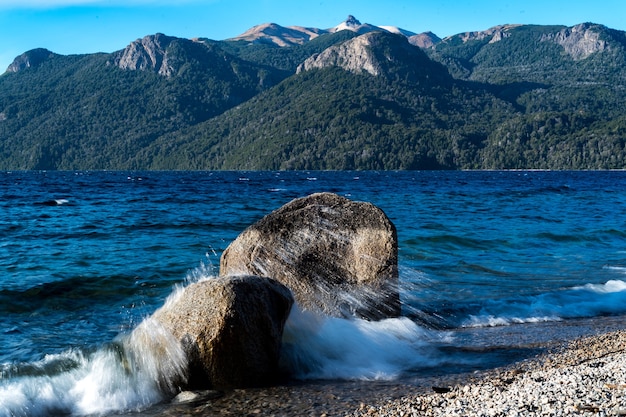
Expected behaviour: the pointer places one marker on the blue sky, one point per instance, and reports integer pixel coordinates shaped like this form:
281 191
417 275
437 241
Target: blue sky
88 26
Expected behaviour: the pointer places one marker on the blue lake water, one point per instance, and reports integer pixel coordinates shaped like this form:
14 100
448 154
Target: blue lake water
490 263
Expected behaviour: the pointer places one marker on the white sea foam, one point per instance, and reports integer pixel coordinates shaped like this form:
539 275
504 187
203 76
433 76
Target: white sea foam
322 347
136 371
588 300
147 366
319 347
493 321
612 286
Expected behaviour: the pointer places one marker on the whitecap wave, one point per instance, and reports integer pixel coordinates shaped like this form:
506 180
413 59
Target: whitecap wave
589 300
612 286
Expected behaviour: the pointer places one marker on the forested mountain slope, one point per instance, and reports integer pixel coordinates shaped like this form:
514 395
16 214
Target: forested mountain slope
509 97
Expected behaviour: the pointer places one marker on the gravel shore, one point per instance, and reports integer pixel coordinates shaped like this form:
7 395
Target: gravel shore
584 377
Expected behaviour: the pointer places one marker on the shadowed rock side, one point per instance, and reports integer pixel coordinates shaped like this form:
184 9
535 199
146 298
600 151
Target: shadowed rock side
230 329
338 257
30 59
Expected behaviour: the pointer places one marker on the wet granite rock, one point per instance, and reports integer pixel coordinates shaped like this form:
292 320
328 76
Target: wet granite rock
230 329
337 256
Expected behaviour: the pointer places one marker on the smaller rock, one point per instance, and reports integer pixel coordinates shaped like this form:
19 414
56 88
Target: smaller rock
185 397
230 329
194 397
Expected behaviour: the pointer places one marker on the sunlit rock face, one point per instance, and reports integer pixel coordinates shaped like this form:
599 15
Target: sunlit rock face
579 41
230 329
148 53
356 55
337 256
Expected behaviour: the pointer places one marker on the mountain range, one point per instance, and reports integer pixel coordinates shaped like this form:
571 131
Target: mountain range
355 96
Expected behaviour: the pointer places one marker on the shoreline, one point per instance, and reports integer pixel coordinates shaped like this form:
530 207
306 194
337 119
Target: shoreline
585 376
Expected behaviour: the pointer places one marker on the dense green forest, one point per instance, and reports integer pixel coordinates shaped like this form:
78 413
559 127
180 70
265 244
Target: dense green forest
522 97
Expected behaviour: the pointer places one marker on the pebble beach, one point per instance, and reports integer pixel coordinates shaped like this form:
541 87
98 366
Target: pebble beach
583 377
586 377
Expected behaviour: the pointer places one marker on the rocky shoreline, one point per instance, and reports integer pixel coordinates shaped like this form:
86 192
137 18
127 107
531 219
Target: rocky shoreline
583 377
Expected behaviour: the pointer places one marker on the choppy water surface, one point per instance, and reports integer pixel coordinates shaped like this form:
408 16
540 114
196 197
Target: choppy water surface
491 264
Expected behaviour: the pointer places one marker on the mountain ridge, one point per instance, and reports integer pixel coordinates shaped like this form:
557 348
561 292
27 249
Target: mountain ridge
276 34
508 97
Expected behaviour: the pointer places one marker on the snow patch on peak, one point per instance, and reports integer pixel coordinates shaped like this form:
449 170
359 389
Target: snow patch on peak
398 31
272 33
353 24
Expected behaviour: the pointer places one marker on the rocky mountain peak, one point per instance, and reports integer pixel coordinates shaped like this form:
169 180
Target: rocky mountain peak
353 55
278 35
148 53
579 41
494 34
271 33
352 21
375 53
354 25
424 40
30 59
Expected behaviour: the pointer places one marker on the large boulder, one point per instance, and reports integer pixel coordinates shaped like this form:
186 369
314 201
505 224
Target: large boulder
230 329
337 256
